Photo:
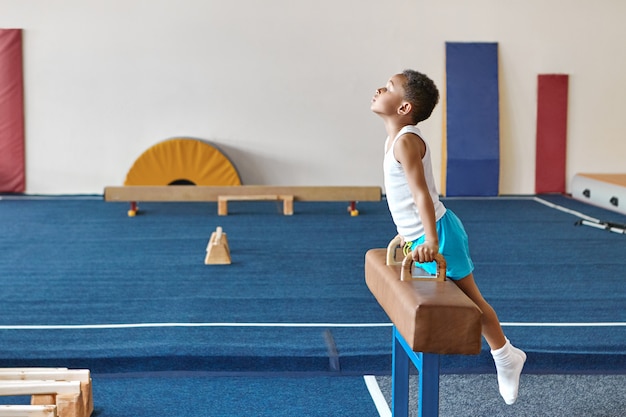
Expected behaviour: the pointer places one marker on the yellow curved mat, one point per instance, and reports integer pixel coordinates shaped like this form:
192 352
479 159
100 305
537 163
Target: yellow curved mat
182 161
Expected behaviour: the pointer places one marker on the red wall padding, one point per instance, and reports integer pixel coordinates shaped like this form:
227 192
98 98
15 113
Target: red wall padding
12 164
552 92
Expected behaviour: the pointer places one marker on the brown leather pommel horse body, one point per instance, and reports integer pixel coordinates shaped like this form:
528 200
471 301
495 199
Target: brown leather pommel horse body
430 315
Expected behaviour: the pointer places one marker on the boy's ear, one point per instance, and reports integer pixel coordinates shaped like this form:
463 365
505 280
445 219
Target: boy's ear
405 108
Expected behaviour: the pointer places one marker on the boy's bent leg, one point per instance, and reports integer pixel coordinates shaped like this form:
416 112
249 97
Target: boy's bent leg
508 359
492 331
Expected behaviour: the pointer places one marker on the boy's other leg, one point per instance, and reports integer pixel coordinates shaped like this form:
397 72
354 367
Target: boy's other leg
509 360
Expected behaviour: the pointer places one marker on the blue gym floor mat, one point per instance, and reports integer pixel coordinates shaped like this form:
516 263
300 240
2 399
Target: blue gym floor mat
83 285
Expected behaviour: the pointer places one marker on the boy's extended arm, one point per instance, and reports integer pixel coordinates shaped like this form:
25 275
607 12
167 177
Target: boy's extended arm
409 151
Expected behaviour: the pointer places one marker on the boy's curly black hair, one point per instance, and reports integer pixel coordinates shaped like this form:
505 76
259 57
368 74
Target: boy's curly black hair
422 93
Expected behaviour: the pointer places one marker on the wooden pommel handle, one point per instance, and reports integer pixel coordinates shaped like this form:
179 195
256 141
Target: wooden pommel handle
391 251
407 269
407 264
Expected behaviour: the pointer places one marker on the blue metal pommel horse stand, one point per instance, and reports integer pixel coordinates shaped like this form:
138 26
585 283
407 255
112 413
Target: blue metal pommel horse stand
431 316
427 365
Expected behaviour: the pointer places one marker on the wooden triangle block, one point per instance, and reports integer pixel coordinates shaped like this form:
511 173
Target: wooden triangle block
217 251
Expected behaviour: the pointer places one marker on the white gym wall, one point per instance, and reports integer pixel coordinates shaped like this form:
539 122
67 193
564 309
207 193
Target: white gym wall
283 86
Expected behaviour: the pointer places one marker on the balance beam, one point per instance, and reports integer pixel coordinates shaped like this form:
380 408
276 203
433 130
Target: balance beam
430 316
69 390
65 395
199 193
211 193
31 369
28 411
19 387
53 374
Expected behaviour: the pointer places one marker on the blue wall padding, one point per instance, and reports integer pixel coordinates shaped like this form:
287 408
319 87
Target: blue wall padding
472 117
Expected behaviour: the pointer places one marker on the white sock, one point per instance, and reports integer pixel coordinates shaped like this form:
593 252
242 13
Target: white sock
509 363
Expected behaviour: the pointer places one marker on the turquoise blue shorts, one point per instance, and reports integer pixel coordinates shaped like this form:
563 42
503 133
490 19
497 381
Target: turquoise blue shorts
453 245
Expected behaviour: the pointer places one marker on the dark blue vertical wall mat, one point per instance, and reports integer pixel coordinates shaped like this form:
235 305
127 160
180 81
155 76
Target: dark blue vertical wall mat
472 117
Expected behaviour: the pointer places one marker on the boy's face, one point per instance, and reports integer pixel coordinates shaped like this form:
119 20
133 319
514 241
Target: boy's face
389 99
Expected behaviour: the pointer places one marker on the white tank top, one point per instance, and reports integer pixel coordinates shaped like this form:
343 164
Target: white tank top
399 198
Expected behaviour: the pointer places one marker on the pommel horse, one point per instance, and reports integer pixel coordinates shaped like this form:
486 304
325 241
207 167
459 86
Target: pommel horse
431 316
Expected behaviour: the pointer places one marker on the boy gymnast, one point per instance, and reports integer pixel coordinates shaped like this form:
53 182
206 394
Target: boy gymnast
424 224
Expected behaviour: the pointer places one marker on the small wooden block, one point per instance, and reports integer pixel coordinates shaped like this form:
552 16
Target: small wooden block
85 397
217 250
71 405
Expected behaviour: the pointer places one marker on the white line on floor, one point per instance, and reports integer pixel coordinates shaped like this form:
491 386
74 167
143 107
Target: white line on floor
377 396
311 325
565 210
140 325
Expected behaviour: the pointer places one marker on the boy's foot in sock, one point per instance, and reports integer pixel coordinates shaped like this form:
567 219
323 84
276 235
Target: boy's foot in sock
509 363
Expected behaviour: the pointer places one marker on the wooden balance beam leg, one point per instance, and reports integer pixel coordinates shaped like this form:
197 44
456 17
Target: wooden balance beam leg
222 202
431 317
